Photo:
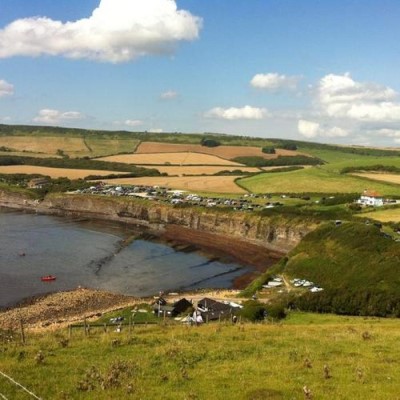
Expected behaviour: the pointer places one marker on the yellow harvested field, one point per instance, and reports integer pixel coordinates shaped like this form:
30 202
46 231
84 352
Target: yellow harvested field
391 178
215 184
227 152
184 158
198 170
39 144
54 172
390 215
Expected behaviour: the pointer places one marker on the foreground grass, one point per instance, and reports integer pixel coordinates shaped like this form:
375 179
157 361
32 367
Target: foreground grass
217 361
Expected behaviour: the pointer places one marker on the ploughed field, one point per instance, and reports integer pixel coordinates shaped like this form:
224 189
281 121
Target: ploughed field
199 169
183 158
227 152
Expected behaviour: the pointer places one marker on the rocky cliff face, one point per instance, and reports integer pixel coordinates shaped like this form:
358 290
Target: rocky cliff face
278 236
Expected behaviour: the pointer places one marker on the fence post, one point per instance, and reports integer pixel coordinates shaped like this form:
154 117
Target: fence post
69 331
21 324
84 326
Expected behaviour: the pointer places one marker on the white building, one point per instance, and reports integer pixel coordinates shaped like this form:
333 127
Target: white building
371 198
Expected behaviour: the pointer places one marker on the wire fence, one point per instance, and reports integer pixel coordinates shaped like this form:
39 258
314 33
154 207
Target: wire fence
19 385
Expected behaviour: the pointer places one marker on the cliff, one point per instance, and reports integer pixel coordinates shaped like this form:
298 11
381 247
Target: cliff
209 227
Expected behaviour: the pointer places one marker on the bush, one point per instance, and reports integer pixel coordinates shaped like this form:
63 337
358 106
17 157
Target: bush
256 161
287 146
209 142
253 310
276 311
268 150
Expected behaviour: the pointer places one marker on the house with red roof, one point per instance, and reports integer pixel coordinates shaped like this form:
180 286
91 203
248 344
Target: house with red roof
371 198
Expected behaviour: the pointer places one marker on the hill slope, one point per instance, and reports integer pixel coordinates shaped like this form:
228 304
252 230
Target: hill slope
358 267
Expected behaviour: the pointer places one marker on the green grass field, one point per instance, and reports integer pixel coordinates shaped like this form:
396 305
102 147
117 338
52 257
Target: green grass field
315 179
337 358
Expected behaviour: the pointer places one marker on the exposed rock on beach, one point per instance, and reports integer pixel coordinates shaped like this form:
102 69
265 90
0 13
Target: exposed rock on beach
62 308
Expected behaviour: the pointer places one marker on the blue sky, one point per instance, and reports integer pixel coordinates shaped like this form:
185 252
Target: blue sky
314 70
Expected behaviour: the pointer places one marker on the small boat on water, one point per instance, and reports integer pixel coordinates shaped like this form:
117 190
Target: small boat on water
48 278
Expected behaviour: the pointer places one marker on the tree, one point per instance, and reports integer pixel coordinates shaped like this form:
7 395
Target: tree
268 150
209 142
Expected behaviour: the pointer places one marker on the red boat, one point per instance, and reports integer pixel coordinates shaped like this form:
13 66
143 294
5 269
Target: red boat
48 278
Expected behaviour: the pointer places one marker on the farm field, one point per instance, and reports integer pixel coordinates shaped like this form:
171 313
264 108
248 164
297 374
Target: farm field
336 160
198 170
391 178
389 215
44 144
54 172
103 147
228 152
26 154
313 180
215 184
184 158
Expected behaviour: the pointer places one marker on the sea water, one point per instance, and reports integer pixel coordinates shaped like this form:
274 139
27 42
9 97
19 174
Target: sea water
92 254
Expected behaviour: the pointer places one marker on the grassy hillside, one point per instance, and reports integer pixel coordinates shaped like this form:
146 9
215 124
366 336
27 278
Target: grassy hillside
334 357
355 263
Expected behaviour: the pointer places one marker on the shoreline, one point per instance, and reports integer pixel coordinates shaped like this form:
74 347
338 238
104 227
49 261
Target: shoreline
58 310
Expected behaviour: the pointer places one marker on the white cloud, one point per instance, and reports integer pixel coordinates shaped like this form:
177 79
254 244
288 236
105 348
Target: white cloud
133 122
233 113
339 96
49 116
6 89
310 130
117 31
169 95
274 81
156 130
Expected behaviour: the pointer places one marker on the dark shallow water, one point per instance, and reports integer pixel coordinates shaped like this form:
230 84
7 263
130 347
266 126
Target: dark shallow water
92 254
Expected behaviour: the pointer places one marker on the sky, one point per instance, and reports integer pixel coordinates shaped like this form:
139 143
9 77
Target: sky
316 70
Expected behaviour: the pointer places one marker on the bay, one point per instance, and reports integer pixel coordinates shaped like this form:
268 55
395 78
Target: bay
97 255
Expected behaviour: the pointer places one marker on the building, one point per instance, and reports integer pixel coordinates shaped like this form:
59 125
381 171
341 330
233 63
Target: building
371 198
38 183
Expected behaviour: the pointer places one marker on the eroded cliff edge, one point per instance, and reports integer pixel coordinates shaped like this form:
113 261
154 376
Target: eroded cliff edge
208 227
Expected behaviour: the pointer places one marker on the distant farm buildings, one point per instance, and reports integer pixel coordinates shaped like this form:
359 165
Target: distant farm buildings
38 183
370 198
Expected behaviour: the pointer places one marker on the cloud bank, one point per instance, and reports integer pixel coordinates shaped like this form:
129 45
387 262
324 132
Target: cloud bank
341 97
49 116
6 89
343 107
233 113
117 31
311 130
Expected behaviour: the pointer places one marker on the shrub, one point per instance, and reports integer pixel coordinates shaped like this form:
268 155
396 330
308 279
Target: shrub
276 311
268 150
253 310
209 142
